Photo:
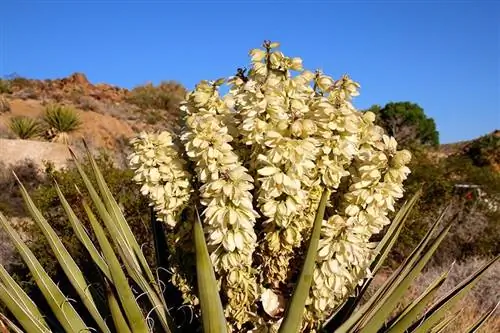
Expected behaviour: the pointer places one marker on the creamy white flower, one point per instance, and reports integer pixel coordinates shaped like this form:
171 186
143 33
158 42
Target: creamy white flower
162 172
263 154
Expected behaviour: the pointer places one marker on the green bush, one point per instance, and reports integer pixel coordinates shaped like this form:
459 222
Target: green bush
167 95
159 103
407 122
25 127
476 231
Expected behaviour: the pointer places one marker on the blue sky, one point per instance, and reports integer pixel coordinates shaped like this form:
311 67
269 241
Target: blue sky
442 55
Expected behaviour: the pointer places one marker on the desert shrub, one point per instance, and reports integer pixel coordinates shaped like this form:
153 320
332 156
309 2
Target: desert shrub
25 127
476 229
4 86
26 93
87 103
6 250
167 95
4 105
20 82
24 88
11 202
154 116
159 103
485 151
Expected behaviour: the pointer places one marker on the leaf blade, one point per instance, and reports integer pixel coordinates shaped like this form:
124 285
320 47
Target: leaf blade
482 320
363 313
411 313
69 266
212 312
438 310
82 235
132 310
387 304
292 319
62 309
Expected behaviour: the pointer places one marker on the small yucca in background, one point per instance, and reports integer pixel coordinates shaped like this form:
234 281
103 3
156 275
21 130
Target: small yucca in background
25 127
61 121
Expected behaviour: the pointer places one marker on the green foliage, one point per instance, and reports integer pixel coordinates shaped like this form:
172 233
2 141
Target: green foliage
159 103
118 243
154 116
477 232
167 95
62 118
25 127
134 206
407 122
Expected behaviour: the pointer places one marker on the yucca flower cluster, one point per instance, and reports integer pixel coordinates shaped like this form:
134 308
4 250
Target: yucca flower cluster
161 171
225 190
258 160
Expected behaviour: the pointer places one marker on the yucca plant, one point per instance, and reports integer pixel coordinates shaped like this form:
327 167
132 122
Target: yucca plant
291 183
61 120
24 127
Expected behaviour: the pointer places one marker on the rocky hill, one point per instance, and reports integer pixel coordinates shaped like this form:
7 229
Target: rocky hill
109 115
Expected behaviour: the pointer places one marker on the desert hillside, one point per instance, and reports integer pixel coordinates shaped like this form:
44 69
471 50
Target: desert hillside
109 116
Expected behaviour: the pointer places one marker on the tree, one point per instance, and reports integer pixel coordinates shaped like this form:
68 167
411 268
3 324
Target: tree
407 122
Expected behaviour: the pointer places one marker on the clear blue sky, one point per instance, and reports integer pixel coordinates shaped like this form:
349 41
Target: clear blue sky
442 55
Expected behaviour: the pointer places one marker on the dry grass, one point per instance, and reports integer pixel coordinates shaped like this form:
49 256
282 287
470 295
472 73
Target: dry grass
4 105
482 297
